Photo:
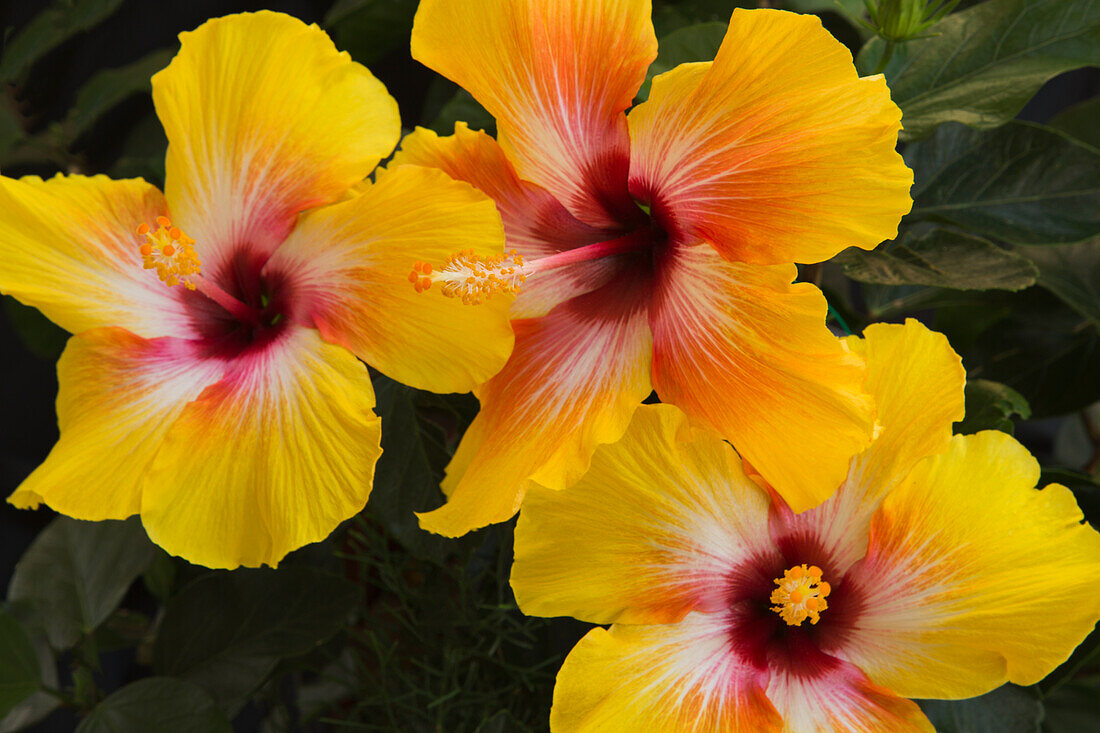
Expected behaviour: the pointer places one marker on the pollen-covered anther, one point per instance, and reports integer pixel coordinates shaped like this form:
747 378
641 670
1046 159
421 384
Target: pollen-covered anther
800 595
471 277
169 252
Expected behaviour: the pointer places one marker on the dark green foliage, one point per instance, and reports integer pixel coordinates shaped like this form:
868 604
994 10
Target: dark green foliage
18 664
161 704
1009 709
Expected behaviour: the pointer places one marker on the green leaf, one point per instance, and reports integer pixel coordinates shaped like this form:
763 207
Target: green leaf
160 704
62 20
1074 707
1079 121
39 334
1022 183
226 631
18 664
1072 272
76 573
671 15
404 482
11 132
698 42
370 29
1037 346
851 9
1008 709
983 64
941 258
143 152
108 88
463 106
991 406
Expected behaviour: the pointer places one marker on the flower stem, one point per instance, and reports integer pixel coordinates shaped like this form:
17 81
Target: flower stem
629 243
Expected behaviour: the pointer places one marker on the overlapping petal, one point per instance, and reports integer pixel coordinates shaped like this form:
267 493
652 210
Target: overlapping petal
535 224
70 249
916 380
653 528
350 263
572 383
119 395
268 459
963 555
557 76
826 695
667 678
777 151
743 351
264 120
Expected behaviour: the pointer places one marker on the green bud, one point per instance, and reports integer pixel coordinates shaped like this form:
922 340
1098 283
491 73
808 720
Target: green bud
904 20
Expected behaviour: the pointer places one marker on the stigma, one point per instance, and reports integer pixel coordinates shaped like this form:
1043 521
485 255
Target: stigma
800 595
169 252
471 277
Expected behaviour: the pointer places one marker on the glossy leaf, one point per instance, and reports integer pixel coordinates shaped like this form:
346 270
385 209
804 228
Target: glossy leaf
76 573
62 20
404 482
18 664
1081 121
1074 707
1008 709
1022 183
1072 272
992 406
160 704
941 258
226 631
108 88
980 66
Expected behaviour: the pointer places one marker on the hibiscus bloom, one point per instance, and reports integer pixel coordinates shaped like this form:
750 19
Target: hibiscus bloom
935 571
212 385
654 250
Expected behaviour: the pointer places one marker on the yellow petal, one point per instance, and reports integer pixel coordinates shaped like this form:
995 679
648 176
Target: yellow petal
535 224
571 384
350 263
776 152
271 458
118 396
740 349
661 679
972 577
264 119
70 248
653 529
916 380
557 75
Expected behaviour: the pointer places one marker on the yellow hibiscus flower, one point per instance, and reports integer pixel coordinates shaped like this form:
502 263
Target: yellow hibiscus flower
935 571
213 384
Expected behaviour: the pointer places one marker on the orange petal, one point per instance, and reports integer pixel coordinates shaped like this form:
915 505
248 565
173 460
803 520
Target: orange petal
350 264
572 383
70 248
535 224
264 119
777 151
118 396
743 351
271 458
557 75
661 679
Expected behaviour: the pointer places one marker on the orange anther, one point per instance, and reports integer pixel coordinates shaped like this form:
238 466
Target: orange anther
146 249
143 228
427 269
815 571
163 221
413 277
811 603
824 589
167 250
796 597
425 282
174 233
795 573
